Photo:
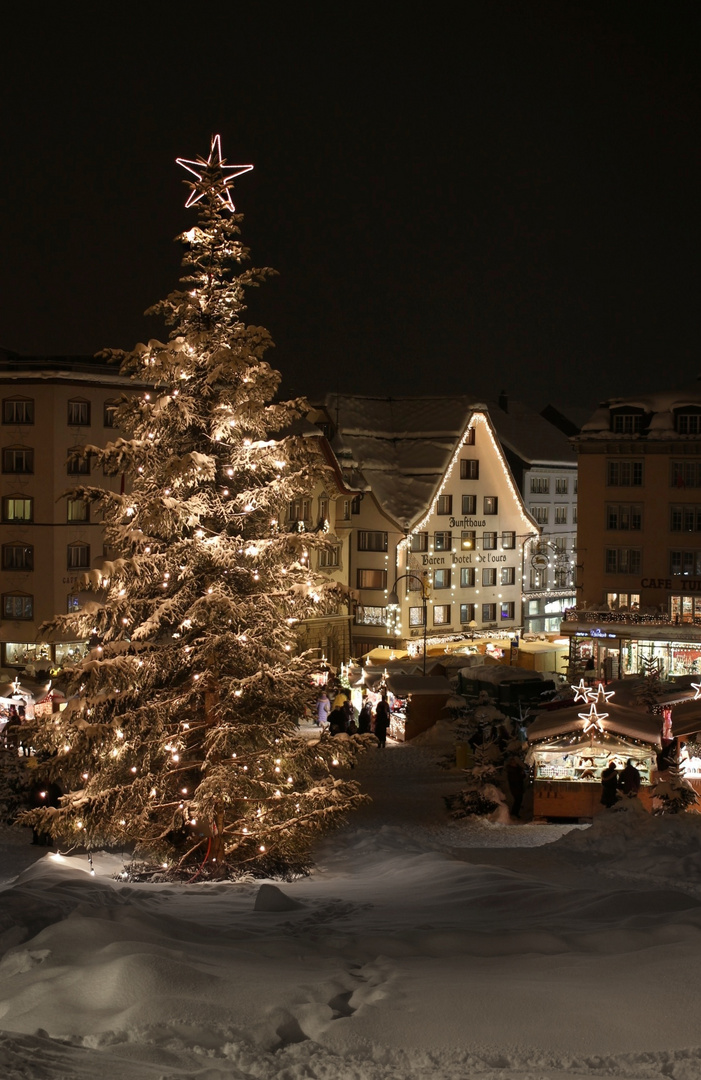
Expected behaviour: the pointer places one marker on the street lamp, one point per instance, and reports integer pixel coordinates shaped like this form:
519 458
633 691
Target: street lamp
393 602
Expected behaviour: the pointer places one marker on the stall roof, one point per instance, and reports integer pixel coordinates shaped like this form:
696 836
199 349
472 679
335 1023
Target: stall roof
402 685
628 723
497 673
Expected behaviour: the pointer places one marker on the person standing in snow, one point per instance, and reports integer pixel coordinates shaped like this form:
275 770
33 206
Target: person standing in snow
516 779
382 718
323 708
630 780
365 718
609 785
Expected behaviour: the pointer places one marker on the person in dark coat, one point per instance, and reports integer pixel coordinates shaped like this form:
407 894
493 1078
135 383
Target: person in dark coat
12 729
382 718
365 718
337 721
516 779
609 785
630 779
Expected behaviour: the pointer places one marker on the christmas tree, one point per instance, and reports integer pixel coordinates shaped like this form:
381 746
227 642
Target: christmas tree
182 741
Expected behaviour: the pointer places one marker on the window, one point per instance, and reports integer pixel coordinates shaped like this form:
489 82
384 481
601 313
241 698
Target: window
419 541
540 485
368 615
624 473
562 578
688 423
467 577
78 510
627 423
489 577
574 514
17 557
444 504
627 517
469 469
469 437
416 616
468 539
560 542
441 579
623 560
343 509
507 575
534 607
17 606
17 508
78 556
443 541
540 513
467 613
79 413
109 414
560 515
372 579
323 508
469 504
329 557
491 503
686 474
685 518
441 614
355 504
17 459
372 541
538 577
562 485
685 563
489 541
507 609
508 540
78 463
18 411
489 613
72 603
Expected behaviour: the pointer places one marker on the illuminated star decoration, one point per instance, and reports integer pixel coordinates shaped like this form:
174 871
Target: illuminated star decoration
697 687
212 175
593 719
581 692
601 696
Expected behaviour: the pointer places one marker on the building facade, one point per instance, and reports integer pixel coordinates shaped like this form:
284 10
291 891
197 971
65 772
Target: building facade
639 535
51 406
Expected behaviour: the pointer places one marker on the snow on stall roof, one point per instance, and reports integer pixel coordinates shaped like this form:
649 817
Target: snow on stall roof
499 673
620 720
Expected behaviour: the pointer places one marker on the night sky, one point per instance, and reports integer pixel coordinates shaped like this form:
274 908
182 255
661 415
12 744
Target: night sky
465 198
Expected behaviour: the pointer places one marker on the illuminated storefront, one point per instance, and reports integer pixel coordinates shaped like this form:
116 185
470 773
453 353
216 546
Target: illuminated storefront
620 647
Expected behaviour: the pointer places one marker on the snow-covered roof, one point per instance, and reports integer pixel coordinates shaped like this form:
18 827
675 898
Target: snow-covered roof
620 720
530 435
660 407
403 446
402 685
499 673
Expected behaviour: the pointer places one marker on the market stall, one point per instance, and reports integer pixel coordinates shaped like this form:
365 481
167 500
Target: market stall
417 702
570 748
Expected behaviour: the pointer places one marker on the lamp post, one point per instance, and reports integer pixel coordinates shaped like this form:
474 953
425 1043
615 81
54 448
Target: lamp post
393 602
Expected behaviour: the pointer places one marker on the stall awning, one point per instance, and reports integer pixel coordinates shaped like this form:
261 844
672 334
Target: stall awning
403 685
620 720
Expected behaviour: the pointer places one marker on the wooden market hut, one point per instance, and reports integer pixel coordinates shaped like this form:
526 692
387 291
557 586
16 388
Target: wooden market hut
569 748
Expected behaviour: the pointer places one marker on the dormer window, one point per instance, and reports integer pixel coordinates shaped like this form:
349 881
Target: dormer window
627 423
688 422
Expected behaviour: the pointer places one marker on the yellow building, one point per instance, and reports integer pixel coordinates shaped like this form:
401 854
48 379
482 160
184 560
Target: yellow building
639 536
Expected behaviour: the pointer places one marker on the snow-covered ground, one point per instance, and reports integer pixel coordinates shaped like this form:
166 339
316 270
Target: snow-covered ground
420 948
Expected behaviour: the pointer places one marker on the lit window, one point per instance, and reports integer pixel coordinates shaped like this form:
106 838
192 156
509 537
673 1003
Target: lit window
372 541
468 539
508 539
443 541
507 575
491 504
17 606
367 615
441 614
78 510
17 508
372 579
507 609
441 579
416 616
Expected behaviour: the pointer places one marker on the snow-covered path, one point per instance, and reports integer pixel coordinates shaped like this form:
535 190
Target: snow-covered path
419 948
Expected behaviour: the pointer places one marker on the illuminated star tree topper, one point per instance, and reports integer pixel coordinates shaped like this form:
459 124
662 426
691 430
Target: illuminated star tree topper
593 719
212 175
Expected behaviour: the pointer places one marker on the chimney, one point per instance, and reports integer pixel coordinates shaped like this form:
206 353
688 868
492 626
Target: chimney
503 401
